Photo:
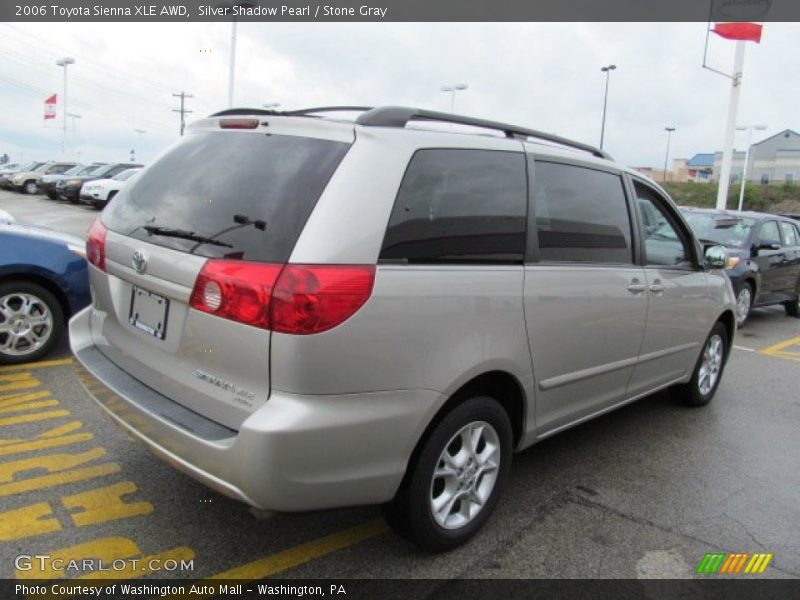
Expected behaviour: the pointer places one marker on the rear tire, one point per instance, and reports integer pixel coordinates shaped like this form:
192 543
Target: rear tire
708 371
464 480
52 195
31 322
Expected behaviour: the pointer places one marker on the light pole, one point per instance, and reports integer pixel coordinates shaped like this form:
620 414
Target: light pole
607 70
232 64
457 87
669 131
73 116
271 105
749 129
65 62
139 133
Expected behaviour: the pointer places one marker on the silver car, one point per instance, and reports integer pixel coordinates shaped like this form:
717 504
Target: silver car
306 312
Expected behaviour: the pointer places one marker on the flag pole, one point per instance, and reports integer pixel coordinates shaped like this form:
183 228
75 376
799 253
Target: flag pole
730 126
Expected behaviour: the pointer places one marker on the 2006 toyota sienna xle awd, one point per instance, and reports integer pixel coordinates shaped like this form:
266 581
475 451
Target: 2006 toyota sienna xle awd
305 312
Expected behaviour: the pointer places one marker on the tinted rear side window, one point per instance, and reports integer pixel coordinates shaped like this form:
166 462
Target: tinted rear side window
581 215
459 206
251 193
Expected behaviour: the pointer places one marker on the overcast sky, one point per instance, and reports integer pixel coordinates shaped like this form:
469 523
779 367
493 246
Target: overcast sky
541 75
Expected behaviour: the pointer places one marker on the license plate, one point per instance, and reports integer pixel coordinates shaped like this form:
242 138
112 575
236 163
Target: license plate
149 312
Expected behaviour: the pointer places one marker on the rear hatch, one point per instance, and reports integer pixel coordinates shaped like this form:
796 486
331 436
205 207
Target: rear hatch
227 205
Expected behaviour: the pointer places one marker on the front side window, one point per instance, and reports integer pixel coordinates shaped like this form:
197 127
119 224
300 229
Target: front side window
769 233
459 206
581 215
663 243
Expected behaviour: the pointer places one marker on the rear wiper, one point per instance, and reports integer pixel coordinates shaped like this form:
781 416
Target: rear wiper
184 235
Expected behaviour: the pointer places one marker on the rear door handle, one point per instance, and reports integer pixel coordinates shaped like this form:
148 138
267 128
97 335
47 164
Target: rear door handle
656 288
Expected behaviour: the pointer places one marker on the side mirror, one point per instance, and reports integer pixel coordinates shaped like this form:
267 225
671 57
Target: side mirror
716 257
769 244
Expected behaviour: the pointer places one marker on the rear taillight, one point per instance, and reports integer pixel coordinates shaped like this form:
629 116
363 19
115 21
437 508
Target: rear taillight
96 245
315 298
296 299
236 290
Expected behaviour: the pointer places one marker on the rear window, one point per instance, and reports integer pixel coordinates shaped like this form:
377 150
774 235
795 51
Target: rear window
250 193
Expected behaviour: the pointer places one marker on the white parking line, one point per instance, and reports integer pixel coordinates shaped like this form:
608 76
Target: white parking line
743 348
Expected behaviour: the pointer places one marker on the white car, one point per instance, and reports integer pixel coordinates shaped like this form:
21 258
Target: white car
100 191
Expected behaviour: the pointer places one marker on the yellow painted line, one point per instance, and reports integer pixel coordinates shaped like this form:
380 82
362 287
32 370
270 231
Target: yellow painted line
779 349
48 414
293 557
29 406
42 364
12 399
54 479
40 444
727 563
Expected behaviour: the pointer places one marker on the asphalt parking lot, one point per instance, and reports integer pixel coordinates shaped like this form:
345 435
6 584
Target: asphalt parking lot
644 492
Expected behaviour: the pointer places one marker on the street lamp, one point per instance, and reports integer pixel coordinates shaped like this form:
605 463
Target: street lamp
749 129
65 62
271 105
607 70
232 65
669 131
73 116
457 87
139 133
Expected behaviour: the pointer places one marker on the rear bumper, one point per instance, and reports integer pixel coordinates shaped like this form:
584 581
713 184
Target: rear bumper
294 453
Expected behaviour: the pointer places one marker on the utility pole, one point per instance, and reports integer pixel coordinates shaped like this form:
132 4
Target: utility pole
64 63
669 131
183 95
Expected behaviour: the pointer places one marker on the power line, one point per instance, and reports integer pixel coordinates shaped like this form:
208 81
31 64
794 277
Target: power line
183 95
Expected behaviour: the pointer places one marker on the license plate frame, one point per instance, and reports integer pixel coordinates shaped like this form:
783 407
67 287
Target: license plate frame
149 312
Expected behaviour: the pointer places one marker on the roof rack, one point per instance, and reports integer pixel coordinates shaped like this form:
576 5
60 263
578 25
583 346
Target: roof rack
289 113
399 116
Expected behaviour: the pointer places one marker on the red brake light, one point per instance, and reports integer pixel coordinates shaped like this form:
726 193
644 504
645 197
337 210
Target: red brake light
314 298
238 123
236 290
96 245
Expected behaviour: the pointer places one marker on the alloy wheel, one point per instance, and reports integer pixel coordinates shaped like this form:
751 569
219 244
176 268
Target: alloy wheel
26 323
711 365
465 475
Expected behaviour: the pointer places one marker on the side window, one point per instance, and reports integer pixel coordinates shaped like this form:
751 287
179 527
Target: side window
789 234
459 206
581 215
664 245
769 233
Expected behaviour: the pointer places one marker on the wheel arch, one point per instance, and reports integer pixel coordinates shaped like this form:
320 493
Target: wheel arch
42 280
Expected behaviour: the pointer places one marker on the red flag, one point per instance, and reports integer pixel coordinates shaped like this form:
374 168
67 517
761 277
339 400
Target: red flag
50 107
750 32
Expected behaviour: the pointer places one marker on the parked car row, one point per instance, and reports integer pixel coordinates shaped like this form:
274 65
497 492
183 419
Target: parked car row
94 184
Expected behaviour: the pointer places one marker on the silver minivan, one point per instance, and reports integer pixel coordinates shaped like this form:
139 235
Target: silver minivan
304 311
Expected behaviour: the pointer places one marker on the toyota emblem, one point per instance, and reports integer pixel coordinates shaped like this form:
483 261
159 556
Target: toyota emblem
139 261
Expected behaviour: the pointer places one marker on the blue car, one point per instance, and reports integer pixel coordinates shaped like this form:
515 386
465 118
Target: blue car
43 281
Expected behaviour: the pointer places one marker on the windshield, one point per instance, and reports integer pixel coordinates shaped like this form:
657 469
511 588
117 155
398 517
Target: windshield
125 175
76 170
725 229
233 195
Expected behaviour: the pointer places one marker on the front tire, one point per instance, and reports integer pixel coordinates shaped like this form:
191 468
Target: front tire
793 306
744 303
30 187
458 474
31 322
708 370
